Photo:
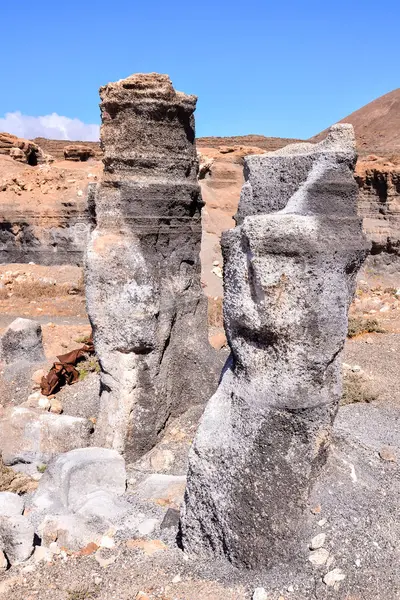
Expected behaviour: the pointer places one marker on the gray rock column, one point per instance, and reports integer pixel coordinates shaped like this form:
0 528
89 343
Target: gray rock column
289 275
144 293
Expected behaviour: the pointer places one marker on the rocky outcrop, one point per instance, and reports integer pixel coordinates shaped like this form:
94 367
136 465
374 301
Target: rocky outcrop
290 268
21 150
379 205
144 296
57 147
44 217
78 152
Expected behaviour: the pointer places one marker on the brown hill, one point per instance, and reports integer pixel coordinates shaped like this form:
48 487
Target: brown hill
377 125
258 141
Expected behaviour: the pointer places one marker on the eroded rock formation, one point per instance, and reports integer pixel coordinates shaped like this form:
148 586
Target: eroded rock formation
22 150
144 294
289 274
78 152
379 206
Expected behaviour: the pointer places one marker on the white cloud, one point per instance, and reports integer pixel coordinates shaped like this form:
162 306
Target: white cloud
54 126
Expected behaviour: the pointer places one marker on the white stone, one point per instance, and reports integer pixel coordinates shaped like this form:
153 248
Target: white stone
260 594
42 553
318 541
177 579
146 527
44 403
10 504
107 542
333 577
319 557
16 538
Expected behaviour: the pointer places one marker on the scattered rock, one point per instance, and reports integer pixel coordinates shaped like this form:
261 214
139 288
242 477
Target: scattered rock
333 577
161 459
56 406
22 341
260 594
318 541
171 519
27 435
319 557
11 504
70 531
218 340
12 481
146 527
16 538
387 454
42 554
149 547
226 149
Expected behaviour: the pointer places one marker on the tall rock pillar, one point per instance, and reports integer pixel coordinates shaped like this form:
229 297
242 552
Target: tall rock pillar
144 293
289 276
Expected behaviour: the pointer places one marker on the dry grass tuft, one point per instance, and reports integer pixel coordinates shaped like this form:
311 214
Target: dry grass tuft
356 389
83 592
358 325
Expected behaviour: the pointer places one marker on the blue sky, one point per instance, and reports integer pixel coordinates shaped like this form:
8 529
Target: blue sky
287 68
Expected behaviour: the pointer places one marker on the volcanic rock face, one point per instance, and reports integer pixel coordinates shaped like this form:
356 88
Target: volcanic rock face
289 276
379 205
144 295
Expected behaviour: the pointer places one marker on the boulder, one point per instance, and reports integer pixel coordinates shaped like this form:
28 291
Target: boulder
28 435
78 152
22 150
10 504
290 270
71 531
78 478
22 342
16 538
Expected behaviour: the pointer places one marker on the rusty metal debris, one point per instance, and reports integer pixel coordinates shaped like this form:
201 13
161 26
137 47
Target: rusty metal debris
63 371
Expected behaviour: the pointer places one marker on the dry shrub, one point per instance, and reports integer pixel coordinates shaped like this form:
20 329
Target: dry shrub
215 316
33 289
358 325
83 592
356 388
